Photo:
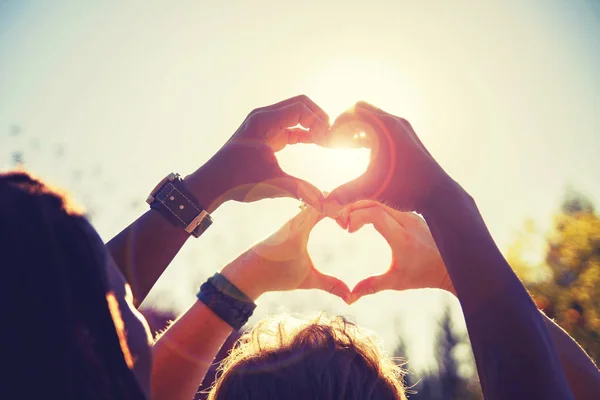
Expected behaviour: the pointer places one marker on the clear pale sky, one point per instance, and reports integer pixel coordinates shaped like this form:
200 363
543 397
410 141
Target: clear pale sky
112 96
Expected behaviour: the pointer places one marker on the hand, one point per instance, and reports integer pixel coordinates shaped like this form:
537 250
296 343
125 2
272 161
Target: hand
245 168
401 171
416 261
281 262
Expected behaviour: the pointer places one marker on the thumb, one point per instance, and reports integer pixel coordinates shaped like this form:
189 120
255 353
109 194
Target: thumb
376 214
370 285
328 283
349 192
305 221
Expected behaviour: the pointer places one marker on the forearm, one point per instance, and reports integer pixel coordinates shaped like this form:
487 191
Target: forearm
183 354
144 249
581 372
513 350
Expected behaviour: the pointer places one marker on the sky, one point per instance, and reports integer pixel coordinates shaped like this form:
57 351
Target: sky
109 97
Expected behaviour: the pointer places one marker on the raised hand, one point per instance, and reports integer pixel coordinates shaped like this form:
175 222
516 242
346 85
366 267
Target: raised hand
401 171
416 261
245 168
281 262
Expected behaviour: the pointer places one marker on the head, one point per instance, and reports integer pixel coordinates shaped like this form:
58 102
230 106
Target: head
319 359
65 330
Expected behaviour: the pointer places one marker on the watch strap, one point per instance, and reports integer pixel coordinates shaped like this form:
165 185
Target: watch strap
175 202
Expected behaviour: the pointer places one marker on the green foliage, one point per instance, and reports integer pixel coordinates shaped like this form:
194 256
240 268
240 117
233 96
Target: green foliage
566 284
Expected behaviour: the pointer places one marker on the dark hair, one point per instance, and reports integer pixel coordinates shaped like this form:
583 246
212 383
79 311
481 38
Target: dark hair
325 358
60 338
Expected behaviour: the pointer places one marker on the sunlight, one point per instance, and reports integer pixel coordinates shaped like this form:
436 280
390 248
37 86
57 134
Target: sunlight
329 245
341 83
323 167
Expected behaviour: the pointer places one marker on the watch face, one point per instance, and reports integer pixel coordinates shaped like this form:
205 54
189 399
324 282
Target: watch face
159 186
172 176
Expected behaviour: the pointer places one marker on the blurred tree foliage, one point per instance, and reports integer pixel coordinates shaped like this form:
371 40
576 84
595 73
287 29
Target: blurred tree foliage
566 283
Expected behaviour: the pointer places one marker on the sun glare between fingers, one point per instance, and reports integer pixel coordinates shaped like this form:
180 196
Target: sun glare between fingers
323 167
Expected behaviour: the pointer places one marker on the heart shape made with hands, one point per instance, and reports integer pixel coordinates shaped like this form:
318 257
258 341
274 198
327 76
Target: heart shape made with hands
330 167
415 260
326 161
396 227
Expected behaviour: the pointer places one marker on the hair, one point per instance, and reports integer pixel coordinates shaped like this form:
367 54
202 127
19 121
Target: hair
59 338
323 358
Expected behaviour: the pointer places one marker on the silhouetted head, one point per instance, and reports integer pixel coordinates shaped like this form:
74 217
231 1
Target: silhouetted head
59 305
321 359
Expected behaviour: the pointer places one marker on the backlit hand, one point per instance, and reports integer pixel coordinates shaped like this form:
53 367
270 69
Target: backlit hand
401 172
245 168
281 262
416 261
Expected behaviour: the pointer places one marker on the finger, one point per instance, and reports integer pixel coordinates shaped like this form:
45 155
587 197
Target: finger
369 203
301 225
366 203
297 135
280 125
349 192
306 219
331 284
407 219
342 217
370 285
313 216
383 222
299 113
288 186
356 127
304 100
370 107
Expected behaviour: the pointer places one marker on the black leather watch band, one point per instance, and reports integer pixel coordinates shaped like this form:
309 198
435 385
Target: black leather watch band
179 206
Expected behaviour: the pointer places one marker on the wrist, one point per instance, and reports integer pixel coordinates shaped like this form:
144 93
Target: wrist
204 186
241 273
445 195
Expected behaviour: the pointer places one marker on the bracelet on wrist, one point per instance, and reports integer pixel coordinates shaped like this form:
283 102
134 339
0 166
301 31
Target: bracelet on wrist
226 301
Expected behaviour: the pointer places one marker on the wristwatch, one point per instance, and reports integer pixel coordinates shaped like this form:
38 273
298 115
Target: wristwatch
178 205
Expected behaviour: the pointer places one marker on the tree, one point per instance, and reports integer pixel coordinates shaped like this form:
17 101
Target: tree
445 382
566 283
450 382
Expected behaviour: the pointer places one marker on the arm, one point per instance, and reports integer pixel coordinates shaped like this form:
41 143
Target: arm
513 350
144 249
183 354
581 372
244 169
515 355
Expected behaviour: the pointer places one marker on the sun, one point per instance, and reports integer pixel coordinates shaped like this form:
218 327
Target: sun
336 86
